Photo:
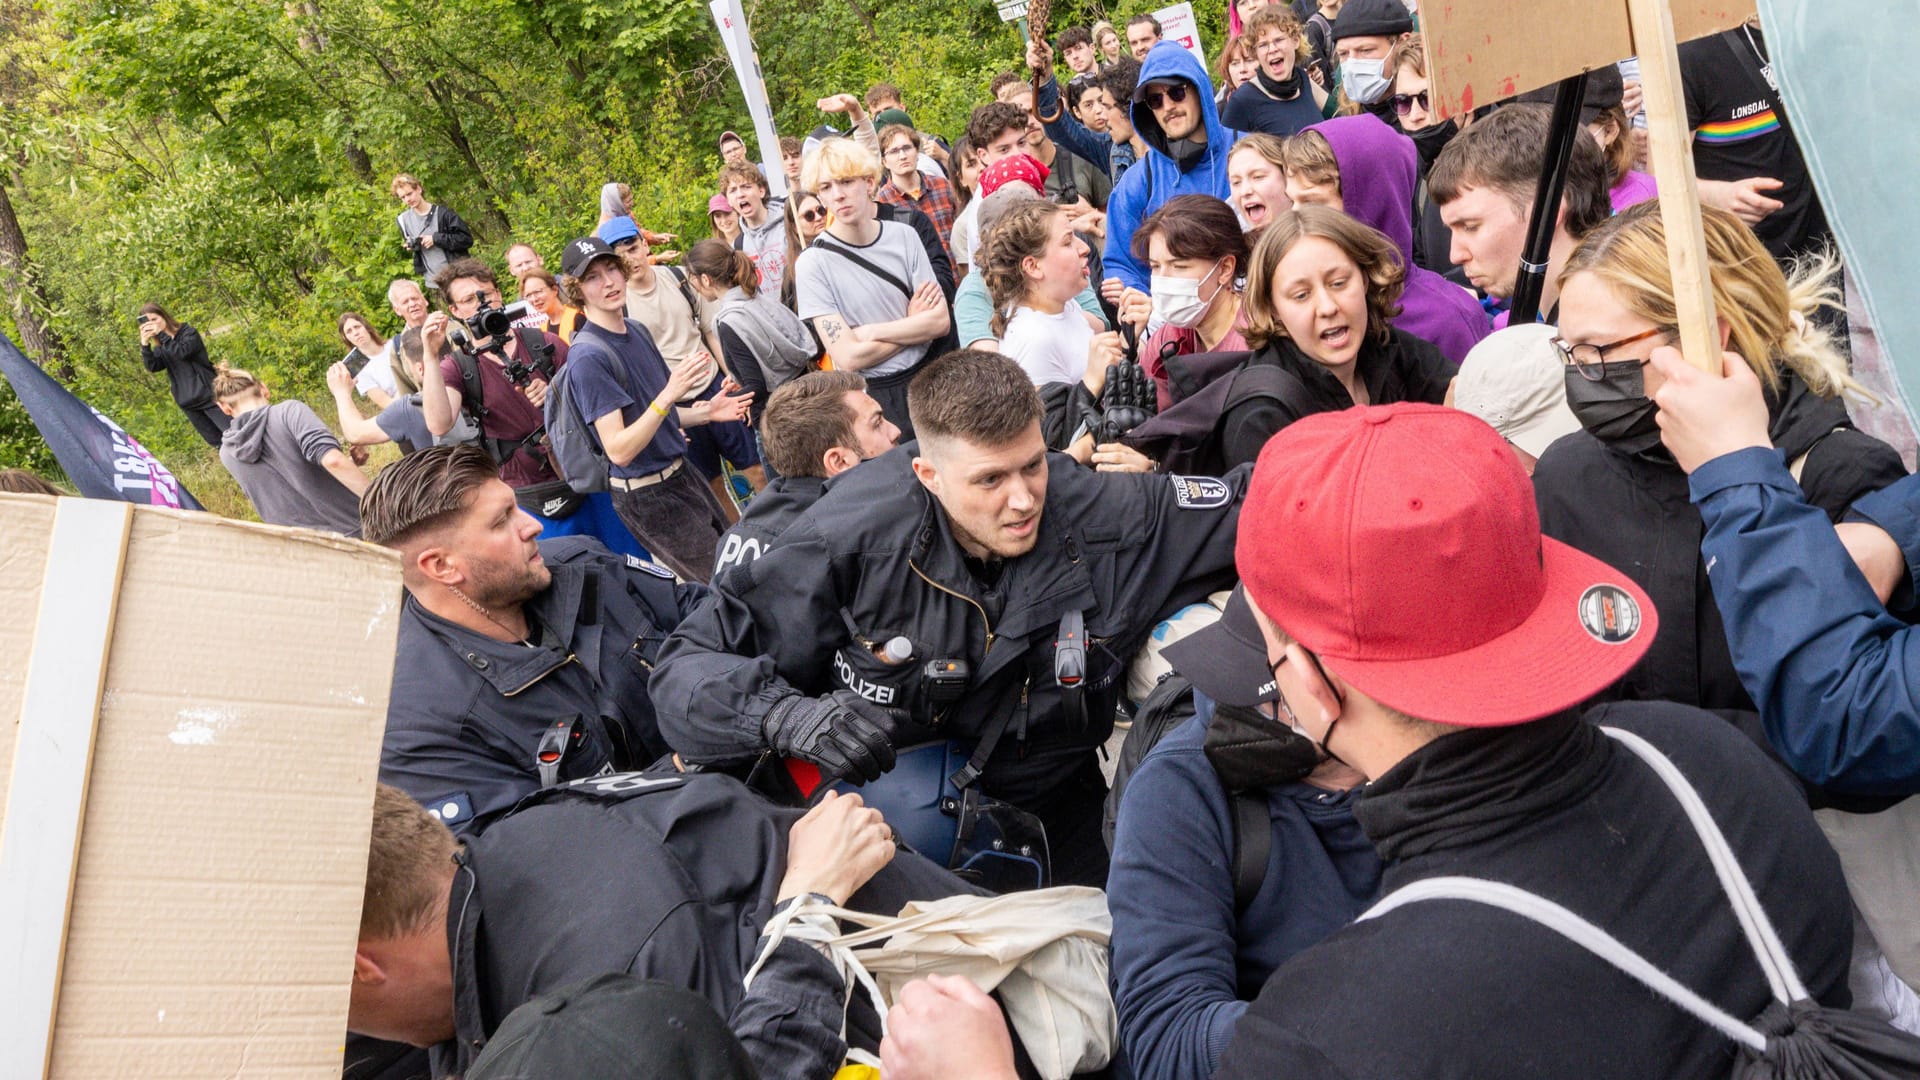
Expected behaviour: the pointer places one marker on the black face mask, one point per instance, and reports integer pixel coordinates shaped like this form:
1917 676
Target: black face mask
1615 408
1251 750
1429 141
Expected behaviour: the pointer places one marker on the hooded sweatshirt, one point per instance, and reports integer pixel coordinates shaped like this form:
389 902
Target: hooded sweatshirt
1378 170
275 454
1157 178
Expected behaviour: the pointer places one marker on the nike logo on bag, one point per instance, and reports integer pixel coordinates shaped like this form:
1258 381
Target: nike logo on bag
552 507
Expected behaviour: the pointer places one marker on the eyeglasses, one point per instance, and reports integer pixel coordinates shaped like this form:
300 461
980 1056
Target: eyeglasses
1273 43
903 148
1157 96
1587 358
1404 103
812 215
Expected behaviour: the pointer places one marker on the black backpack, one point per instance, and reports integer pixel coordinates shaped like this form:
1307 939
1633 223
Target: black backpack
1186 437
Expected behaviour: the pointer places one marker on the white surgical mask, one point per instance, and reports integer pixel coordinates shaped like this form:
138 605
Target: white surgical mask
1365 81
1176 300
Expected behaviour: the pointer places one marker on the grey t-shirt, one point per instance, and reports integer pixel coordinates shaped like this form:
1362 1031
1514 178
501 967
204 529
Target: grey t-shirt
827 281
412 225
403 421
275 454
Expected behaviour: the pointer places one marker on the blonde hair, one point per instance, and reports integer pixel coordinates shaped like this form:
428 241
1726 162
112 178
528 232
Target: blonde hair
1769 313
1021 235
1375 255
231 382
1410 53
838 159
1308 156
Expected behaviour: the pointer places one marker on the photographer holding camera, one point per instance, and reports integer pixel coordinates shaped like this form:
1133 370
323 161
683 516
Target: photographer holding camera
175 348
434 235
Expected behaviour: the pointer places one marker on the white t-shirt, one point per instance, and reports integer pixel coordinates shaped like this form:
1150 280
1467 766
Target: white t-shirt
825 281
378 374
1049 348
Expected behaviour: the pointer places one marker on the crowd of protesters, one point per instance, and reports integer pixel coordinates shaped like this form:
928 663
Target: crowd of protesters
1475 686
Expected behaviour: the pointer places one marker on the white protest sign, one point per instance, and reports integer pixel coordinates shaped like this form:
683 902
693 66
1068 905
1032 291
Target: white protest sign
732 22
1012 10
1178 25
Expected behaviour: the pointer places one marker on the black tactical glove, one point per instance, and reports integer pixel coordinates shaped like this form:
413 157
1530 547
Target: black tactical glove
842 732
1126 402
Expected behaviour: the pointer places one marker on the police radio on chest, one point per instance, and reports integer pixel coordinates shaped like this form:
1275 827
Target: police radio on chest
946 681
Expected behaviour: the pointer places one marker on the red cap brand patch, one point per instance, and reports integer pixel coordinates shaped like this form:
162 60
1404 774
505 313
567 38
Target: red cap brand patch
1609 614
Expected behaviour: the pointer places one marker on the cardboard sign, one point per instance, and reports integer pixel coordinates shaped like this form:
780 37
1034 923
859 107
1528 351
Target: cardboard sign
1178 25
1478 53
190 719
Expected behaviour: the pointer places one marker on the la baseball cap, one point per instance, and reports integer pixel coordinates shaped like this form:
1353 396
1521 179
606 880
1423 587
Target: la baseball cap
1515 380
579 254
1400 544
613 1027
1226 661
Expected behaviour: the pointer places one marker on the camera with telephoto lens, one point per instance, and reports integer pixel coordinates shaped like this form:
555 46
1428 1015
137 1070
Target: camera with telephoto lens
492 321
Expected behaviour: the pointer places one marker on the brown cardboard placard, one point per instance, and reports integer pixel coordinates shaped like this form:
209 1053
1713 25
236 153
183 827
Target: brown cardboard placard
216 895
1478 52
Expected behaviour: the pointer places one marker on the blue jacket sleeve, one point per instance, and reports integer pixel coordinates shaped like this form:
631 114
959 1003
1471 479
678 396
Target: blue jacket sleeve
1068 132
1171 894
1124 214
1833 674
1896 508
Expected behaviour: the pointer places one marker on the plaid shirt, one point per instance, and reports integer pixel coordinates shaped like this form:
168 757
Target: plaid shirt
935 201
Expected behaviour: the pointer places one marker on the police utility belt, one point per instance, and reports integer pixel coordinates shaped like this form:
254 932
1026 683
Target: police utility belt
635 483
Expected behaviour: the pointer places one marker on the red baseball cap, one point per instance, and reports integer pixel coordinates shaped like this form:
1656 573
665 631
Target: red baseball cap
1400 545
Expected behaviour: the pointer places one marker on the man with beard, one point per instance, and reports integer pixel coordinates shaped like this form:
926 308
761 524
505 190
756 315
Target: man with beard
520 664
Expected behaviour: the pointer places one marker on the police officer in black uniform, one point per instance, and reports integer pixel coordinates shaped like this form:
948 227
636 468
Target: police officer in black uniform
813 429
521 663
927 595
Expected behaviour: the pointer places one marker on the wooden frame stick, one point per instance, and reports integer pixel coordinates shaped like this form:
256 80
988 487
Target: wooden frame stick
1672 156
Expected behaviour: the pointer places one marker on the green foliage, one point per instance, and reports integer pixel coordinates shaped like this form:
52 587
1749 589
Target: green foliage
231 160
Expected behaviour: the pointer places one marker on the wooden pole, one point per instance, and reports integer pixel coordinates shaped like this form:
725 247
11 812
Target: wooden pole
1671 152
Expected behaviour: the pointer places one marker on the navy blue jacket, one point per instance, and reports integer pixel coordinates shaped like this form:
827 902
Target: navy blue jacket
1185 965
467 713
1836 678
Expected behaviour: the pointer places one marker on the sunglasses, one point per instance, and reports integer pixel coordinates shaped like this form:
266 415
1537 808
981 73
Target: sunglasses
1403 103
812 215
1156 96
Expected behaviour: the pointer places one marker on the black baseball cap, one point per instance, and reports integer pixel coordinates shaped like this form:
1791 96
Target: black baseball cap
614 1027
1228 660
1606 89
579 254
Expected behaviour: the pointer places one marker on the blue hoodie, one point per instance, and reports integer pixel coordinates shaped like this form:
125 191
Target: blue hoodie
1155 179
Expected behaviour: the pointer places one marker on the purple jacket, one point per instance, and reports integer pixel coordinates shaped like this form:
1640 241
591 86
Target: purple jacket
1378 170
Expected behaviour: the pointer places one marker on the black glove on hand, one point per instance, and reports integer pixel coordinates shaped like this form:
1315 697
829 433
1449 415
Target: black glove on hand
1126 402
842 732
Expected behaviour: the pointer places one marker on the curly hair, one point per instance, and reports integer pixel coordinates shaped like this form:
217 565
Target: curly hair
1021 235
1375 255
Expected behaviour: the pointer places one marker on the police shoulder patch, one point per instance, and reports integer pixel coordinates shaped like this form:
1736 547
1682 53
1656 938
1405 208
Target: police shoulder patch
635 562
1201 492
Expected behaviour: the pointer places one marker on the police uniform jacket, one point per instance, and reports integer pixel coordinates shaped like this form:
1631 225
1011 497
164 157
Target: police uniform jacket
468 713
875 559
665 876
766 517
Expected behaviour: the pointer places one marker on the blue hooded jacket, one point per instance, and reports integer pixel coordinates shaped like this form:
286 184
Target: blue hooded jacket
1155 179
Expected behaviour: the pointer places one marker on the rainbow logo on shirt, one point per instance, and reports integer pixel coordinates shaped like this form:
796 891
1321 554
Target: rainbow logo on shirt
1732 131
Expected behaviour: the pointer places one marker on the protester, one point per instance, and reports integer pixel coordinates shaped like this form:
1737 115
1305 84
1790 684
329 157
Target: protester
288 464
1033 266
1143 33
1484 184
1278 98
790 156
1615 493
763 344
1075 47
1515 380
1090 110
433 234
1481 766
488 705
1603 113
665 877
638 405
1107 40
1413 109
1320 301
176 348
815 427
1173 113
1806 608
733 149
762 224
724 219
1319 31
401 421
1257 179
1233 67
944 546
541 292
1197 255
1193 942
374 377
907 186
1384 168
522 260
1071 179
806 219
976 318
866 286
1364 35
1113 140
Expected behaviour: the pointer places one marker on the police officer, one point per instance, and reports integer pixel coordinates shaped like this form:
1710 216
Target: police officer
520 663
813 429
665 876
971 587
